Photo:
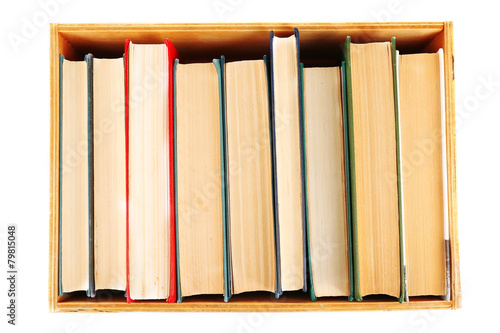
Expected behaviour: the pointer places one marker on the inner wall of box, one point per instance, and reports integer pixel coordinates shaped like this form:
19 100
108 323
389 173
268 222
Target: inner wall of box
317 48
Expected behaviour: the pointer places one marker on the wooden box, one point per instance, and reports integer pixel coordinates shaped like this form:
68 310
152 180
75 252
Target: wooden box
320 45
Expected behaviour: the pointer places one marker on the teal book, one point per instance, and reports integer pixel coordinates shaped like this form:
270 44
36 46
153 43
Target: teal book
76 205
200 180
288 163
386 132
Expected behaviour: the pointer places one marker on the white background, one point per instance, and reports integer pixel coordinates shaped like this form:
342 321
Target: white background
24 159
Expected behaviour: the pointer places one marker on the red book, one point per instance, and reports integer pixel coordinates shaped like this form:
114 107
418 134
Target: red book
172 54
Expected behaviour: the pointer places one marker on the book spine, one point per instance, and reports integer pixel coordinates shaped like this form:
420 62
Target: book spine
347 182
61 61
402 264
172 54
445 177
126 61
178 272
302 160
226 178
89 59
219 66
355 252
269 93
279 290
399 156
306 206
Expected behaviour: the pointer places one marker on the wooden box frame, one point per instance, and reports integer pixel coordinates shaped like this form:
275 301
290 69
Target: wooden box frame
320 43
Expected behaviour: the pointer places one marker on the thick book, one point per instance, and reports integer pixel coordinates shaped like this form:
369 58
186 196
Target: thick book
326 183
371 89
288 159
151 263
76 223
424 173
251 239
200 180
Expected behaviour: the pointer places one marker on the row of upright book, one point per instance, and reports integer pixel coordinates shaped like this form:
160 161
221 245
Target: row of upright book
181 179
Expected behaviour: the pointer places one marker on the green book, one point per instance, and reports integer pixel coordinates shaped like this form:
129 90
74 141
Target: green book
379 177
348 183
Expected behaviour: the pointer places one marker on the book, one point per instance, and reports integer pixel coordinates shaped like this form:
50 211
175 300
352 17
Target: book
200 180
151 270
287 129
109 181
423 173
249 170
326 188
76 228
372 111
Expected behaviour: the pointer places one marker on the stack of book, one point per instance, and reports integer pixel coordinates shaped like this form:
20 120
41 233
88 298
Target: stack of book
181 178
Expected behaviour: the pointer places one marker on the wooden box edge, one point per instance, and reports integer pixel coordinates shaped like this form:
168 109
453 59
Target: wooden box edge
456 295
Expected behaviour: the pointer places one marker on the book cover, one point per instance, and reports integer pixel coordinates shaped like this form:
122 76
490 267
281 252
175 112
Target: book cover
219 66
402 264
445 176
176 218
277 291
302 158
61 60
172 54
89 59
306 207
352 168
125 60
347 183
